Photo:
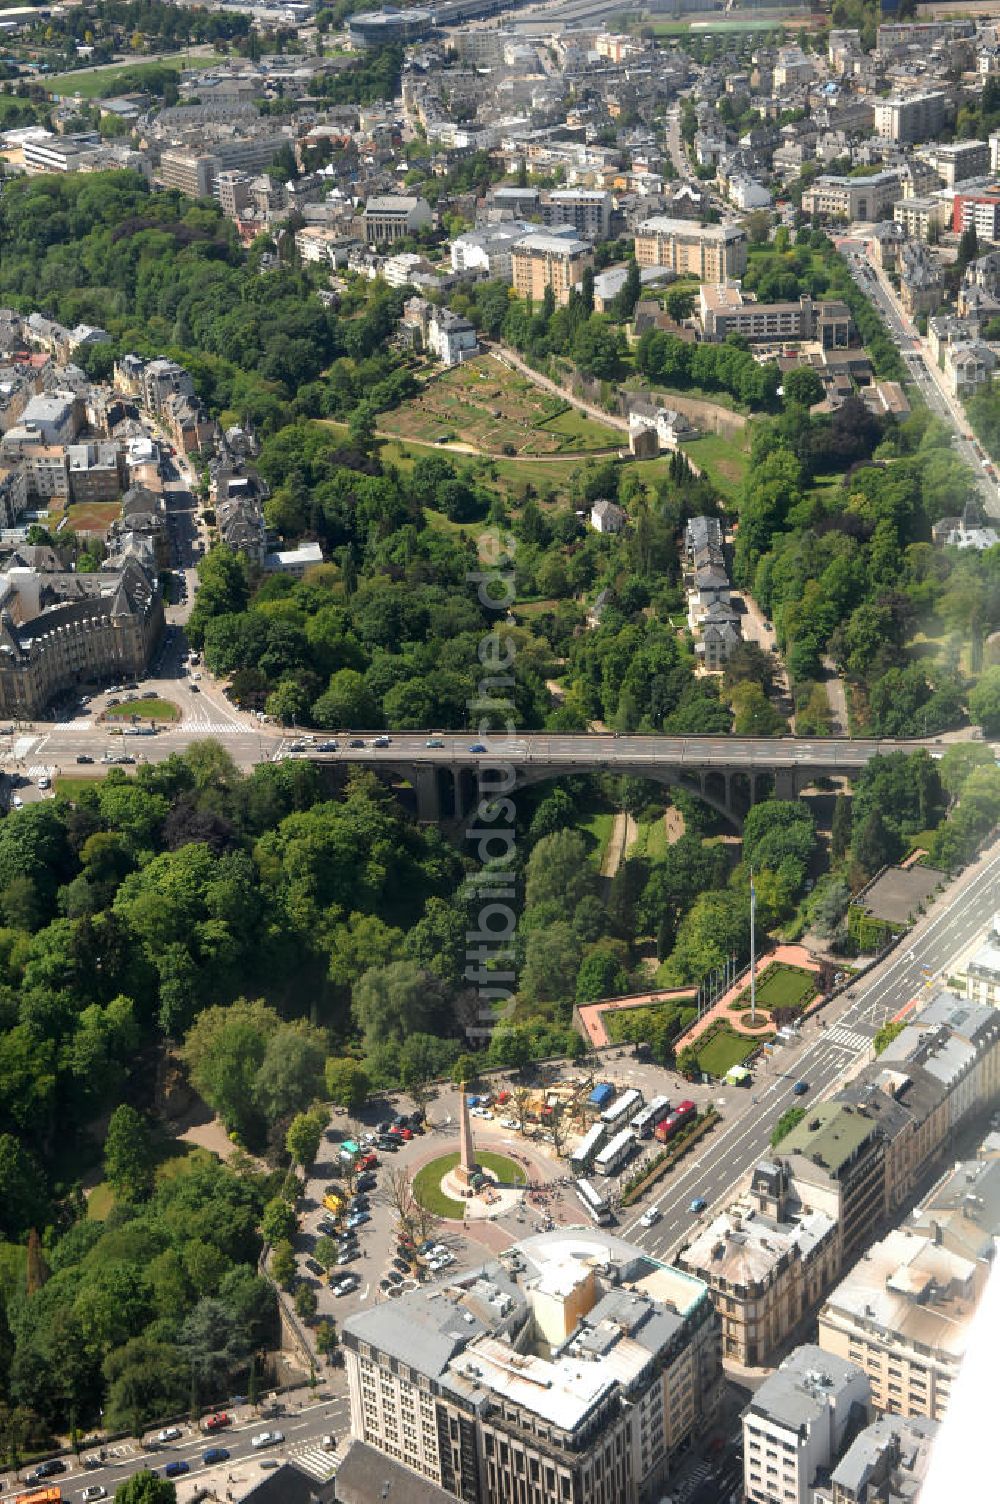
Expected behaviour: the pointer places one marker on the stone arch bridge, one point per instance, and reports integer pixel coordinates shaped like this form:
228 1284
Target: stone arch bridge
730 773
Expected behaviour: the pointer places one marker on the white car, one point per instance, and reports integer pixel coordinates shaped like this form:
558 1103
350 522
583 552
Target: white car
267 1439
44 782
509 1123
484 1113
650 1217
95 1491
169 1433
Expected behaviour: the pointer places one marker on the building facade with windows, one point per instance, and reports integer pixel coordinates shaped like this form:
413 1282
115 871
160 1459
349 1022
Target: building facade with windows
574 1368
58 630
543 260
796 1424
712 253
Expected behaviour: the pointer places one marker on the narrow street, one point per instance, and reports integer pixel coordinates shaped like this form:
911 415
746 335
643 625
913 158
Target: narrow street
919 363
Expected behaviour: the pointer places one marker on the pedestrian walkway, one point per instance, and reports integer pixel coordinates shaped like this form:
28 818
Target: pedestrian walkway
848 1039
316 1461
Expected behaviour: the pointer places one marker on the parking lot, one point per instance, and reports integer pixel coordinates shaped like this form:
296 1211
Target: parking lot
549 1198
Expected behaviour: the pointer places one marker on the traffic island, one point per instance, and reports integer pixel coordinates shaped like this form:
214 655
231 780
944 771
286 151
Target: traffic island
496 1186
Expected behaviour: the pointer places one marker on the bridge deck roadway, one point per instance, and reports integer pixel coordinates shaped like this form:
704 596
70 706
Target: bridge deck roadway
601 751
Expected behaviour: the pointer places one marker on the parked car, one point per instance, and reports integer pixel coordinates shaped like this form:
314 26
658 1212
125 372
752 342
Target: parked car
314 1267
45 1470
367 1182
267 1439
169 1433
346 1284
217 1422
401 1265
508 1122
368 1161
176 1469
358 1219
346 1255
394 1277
213 1455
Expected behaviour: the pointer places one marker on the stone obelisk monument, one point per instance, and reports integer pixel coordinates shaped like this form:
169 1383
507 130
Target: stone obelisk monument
466 1167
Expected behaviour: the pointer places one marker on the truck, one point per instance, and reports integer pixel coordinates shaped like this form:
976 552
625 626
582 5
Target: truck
601 1095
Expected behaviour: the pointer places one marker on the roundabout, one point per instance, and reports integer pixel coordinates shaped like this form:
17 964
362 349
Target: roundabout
497 1179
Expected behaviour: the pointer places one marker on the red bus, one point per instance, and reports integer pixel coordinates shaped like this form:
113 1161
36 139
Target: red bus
682 1113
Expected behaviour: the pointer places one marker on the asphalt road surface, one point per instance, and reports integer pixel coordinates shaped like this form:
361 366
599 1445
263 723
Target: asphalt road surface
917 361
822 1056
303 1429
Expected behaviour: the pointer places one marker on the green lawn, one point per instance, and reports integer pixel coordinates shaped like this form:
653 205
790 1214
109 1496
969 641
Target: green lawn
709 28
597 826
427 1181
144 710
99 1202
581 432
509 477
725 1049
724 461
72 785
785 987
103 82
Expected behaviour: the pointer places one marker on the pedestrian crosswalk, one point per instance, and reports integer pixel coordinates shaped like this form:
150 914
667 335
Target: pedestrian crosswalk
74 725
39 770
316 1461
216 728
850 1039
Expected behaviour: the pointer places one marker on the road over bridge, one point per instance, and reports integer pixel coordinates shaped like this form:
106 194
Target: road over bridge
730 773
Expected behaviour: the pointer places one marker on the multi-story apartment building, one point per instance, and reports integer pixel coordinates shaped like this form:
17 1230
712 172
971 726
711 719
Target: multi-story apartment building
797 1422
979 210
58 630
868 198
903 1314
723 310
911 117
957 161
588 210
489 249
13 494
767 1263
60 153
982 974
94 471
712 253
546 260
393 217
836 1158
190 172
886 1463
574 1368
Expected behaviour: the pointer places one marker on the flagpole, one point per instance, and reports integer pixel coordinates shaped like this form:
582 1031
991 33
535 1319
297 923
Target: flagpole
753 957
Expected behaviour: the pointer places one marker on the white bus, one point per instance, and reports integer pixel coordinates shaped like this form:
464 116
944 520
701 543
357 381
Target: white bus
598 1209
648 1118
580 1159
611 1158
623 1110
